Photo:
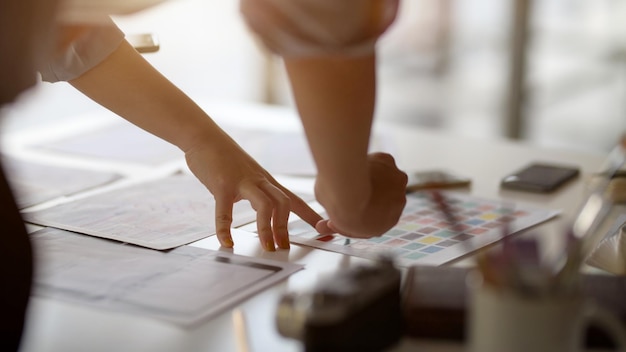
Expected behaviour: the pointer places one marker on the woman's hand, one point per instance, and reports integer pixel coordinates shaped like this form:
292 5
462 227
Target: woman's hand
128 85
231 175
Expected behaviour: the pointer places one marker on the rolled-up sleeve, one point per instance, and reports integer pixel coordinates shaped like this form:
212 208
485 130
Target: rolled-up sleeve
84 53
319 27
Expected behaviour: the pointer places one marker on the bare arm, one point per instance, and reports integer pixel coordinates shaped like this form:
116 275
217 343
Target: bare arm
335 98
363 195
328 47
128 85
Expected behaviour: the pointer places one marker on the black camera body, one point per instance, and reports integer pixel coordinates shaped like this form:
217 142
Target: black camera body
357 309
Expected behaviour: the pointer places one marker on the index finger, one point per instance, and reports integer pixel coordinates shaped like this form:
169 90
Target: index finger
302 209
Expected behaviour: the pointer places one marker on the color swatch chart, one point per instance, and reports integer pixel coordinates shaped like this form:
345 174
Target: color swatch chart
424 237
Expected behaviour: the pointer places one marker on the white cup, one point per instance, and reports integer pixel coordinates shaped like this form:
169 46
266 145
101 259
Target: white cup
502 320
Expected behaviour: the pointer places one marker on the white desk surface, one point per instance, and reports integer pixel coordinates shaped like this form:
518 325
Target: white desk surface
57 326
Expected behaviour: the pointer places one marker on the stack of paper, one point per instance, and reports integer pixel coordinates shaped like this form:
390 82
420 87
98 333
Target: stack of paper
184 286
33 183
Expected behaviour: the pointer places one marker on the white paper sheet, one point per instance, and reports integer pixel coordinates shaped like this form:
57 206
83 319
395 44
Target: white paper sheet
287 151
159 214
121 141
279 151
33 183
184 286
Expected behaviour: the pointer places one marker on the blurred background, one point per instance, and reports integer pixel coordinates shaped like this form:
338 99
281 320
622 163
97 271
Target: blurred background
445 64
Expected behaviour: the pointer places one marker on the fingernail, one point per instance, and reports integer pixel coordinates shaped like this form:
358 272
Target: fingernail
269 246
227 242
284 243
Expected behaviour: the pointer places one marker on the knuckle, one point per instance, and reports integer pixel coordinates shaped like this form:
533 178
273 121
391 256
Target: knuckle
280 228
283 202
223 218
263 204
264 229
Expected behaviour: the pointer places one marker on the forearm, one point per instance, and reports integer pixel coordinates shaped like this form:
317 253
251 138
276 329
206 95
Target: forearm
335 98
128 85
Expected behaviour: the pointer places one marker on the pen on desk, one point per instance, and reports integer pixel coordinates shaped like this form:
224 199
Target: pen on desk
444 206
241 331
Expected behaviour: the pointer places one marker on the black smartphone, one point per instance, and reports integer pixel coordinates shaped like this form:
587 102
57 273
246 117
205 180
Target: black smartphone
427 179
540 177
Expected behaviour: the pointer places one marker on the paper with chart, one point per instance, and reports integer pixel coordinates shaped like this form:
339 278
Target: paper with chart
422 235
33 182
184 286
158 214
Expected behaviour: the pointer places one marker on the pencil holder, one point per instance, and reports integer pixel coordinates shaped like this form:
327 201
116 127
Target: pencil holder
504 319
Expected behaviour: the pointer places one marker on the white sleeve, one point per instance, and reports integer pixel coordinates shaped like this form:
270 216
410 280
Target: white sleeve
319 27
84 53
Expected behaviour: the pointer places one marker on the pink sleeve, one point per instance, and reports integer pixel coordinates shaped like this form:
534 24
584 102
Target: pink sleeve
319 27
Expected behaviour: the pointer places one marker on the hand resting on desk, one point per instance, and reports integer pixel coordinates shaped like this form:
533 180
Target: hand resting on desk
125 83
231 175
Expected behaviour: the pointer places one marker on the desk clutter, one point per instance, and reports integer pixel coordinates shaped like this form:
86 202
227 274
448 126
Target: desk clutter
113 250
610 253
135 214
356 309
432 302
435 303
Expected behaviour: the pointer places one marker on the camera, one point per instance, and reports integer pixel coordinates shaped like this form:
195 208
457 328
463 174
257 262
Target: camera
355 309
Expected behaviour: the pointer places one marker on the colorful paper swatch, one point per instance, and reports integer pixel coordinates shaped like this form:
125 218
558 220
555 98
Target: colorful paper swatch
422 236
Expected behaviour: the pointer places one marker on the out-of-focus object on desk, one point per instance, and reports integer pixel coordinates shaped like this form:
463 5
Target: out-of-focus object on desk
610 254
434 302
514 319
616 190
540 177
608 250
356 309
519 302
428 179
